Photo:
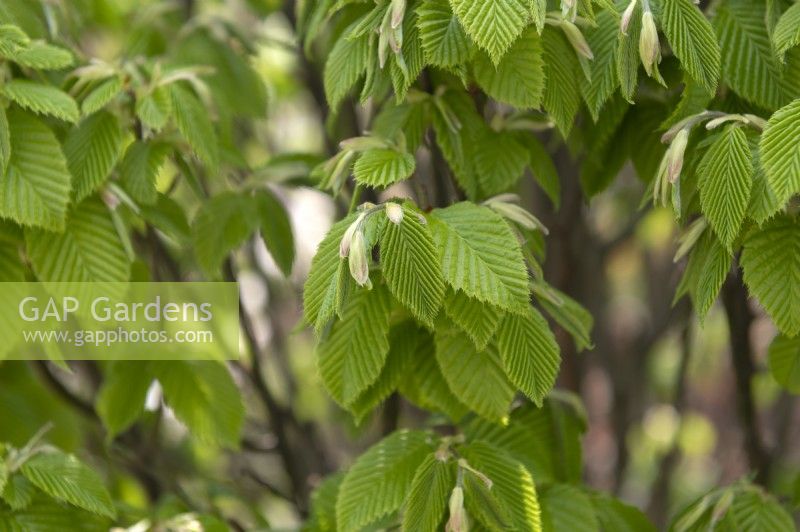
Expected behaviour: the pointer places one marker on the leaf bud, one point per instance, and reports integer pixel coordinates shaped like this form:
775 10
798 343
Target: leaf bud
649 48
518 215
576 39
675 155
458 516
627 15
344 245
398 12
358 259
363 143
394 212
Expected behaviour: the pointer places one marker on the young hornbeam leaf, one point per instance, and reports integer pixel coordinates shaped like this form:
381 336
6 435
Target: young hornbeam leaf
669 171
518 215
626 17
398 11
569 9
344 245
677 150
395 213
649 47
359 144
395 36
359 259
383 39
576 39
688 239
458 516
748 119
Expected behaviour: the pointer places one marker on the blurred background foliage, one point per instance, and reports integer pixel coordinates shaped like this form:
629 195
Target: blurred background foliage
664 424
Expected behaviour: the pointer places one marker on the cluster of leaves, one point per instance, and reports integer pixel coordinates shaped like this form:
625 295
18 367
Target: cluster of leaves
43 488
98 158
439 304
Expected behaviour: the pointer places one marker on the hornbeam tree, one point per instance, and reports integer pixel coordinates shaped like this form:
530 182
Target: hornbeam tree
464 143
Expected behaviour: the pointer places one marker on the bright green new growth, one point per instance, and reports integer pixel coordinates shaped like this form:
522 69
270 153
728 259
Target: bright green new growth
432 288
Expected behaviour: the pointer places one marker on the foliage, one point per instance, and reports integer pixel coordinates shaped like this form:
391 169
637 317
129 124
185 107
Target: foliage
427 289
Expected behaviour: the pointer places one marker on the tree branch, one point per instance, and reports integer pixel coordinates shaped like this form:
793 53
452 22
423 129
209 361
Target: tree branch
734 297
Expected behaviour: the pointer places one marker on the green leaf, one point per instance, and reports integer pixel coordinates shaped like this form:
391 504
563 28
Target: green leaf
5 141
780 151
764 203
352 356
787 32
101 95
566 507
481 256
323 293
749 65
511 482
708 267
3 476
169 217
613 514
562 92
276 229
203 396
65 478
483 504
323 505
11 267
36 186
605 146
383 167
19 492
544 170
42 56
756 511
424 384
429 493
223 223
475 377
42 99
409 265
499 159
493 24
771 263
538 13
726 178
405 339
518 79
345 66
195 125
693 41
443 39
784 362
530 353
628 58
568 313
379 481
89 249
603 43
413 56
546 440
92 150
139 169
476 319
155 108
121 399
